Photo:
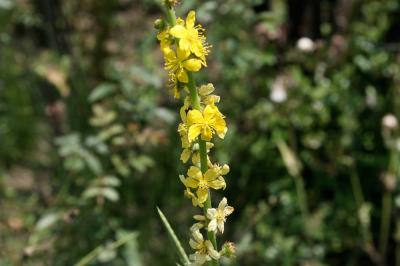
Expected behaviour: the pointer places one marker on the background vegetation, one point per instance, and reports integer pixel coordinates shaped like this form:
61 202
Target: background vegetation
89 148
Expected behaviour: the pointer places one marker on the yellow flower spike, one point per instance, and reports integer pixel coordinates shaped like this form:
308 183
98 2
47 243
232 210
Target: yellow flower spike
206 123
185 49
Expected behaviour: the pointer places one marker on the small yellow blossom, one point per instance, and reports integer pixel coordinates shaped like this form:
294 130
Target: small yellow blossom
196 180
218 216
190 195
205 94
206 123
165 40
204 250
179 62
191 37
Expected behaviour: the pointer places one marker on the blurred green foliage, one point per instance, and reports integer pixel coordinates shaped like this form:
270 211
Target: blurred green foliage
89 145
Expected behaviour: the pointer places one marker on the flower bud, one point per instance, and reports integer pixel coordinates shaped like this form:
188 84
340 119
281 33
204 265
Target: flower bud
225 169
171 2
159 24
206 89
228 250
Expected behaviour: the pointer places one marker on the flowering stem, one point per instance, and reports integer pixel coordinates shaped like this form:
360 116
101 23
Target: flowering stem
171 16
194 98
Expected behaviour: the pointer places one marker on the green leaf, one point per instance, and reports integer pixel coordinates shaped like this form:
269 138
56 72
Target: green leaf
110 193
101 91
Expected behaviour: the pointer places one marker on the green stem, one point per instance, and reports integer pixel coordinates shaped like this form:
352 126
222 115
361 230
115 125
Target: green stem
171 16
387 206
301 195
385 222
356 187
397 254
359 200
194 97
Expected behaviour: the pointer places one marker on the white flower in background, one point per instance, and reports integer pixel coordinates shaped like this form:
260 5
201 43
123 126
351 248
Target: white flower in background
218 216
390 121
305 44
278 91
204 249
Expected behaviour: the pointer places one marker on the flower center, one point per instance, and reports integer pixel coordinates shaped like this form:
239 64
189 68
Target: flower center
203 184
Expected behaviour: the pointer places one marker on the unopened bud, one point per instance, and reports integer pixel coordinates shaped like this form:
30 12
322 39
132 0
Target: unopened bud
171 2
206 89
228 250
225 169
159 24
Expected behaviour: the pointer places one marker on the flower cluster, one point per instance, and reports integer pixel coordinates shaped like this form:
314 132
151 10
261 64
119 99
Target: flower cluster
190 53
185 49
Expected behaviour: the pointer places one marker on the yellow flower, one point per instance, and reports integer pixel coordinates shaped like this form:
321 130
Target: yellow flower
164 38
196 180
206 123
204 249
191 37
218 216
189 194
178 63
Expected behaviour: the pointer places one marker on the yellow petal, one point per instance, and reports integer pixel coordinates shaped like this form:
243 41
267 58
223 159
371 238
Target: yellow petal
182 76
206 133
192 65
191 182
182 55
190 19
209 113
178 31
210 175
220 127
217 184
194 132
184 44
185 155
202 195
194 172
195 117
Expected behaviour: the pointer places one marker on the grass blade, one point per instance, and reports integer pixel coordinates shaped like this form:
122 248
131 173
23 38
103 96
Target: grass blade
174 238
